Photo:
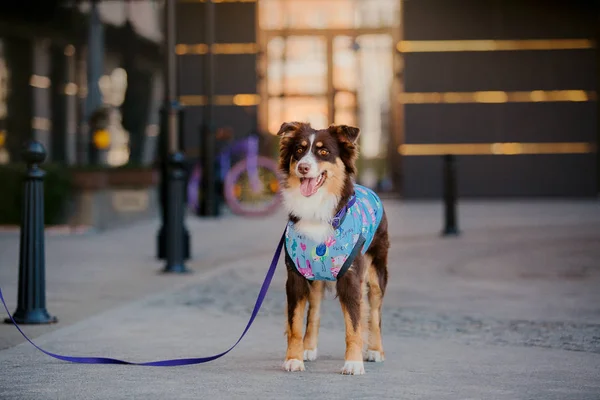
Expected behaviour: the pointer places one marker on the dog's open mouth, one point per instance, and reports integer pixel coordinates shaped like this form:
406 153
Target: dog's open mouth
309 186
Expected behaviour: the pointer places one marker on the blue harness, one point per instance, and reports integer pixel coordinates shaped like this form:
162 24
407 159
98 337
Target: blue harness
354 228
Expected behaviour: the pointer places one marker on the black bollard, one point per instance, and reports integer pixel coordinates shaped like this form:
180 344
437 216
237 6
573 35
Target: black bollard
31 301
450 221
175 215
161 239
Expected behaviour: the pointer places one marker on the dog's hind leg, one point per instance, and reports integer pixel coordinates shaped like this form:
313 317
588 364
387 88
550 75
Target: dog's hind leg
377 276
350 290
314 318
375 295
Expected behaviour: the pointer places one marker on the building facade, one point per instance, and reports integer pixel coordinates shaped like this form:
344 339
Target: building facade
509 87
44 66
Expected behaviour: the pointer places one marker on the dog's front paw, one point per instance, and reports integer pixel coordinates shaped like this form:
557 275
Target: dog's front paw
310 355
293 365
353 368
374 356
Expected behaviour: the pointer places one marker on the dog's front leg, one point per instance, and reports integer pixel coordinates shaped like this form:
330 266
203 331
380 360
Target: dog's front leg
313 320
297 293
349 289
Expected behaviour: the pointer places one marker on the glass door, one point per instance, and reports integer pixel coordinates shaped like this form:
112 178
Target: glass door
345 80
335 79
297 80
332 62
373 76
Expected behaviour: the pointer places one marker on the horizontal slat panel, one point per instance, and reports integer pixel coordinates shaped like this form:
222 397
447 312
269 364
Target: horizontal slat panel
498 19
217 48
497 148
240 99
506 71
491 176
190 23
235 23
510 122
233 74
432 46
497 97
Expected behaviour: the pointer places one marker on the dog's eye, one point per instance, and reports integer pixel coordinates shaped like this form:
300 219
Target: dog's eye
300 150
323 152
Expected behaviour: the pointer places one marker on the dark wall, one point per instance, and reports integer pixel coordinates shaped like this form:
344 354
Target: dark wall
504 122
19 60
511 71
520 70
239 119
235 22
504 176
234 73
499 19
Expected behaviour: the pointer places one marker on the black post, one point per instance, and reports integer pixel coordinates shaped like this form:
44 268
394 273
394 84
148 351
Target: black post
163 188
450 222
175 214
186 232
31 305
207 191
163 155
171 135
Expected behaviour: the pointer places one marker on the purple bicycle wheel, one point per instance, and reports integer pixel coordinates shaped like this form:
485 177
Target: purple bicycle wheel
232 187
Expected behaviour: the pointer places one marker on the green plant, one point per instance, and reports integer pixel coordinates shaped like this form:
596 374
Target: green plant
57 193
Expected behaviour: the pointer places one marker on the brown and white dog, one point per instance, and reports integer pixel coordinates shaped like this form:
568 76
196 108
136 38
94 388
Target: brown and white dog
318 168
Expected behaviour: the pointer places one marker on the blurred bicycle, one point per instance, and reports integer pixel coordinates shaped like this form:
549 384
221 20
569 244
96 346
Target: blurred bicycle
250 186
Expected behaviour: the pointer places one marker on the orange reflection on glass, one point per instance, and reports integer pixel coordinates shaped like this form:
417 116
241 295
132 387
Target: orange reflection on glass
297 65
276 14
345 100
345 71
345 117
322 14
305 109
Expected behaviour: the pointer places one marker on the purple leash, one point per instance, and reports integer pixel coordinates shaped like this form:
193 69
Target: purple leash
168 363
339 216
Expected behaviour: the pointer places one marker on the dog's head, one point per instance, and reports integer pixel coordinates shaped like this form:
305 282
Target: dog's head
314 160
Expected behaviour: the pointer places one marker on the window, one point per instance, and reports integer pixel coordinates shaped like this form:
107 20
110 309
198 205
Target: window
328 14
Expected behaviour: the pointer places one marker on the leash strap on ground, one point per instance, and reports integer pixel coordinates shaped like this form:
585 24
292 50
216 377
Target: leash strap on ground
167 363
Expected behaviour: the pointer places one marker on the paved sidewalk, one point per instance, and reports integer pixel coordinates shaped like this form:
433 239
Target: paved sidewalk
509 310
93 272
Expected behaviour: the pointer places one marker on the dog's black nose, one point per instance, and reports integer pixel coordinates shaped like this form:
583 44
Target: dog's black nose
303 168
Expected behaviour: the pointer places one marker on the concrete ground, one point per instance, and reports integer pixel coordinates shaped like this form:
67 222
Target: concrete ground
508 310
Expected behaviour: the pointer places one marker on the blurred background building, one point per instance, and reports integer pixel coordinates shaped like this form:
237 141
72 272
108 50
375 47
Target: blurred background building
44 65
508 86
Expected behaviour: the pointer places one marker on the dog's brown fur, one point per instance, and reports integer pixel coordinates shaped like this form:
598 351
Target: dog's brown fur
367 275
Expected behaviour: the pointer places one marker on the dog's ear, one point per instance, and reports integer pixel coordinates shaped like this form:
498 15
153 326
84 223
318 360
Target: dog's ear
347 137
289 128
345 133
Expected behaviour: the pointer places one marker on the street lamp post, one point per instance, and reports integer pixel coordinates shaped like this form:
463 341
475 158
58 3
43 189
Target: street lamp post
173 202
208 205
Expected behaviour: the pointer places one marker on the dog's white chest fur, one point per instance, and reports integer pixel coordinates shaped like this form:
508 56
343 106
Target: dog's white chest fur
315 212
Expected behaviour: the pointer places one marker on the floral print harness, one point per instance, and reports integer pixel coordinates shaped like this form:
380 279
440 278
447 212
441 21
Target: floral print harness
353 232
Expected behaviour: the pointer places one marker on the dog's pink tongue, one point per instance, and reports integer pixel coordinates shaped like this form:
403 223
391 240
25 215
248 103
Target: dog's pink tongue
308 186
